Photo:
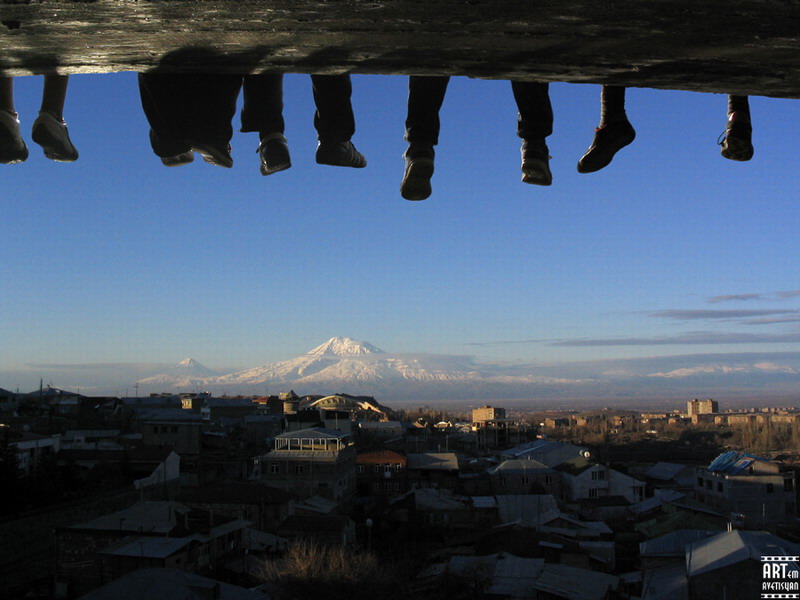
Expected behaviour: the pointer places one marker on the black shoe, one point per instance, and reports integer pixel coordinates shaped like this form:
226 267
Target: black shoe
608 140
178 160
416 183
12 147
214 154
340 154
274 153
737 144
51 134
536 163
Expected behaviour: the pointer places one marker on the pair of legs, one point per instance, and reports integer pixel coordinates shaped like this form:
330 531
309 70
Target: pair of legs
425 98
615 131
49 129
193 112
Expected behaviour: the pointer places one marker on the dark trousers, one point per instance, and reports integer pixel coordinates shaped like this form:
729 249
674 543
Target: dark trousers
334 120
426 95
535 117
425 98
184 108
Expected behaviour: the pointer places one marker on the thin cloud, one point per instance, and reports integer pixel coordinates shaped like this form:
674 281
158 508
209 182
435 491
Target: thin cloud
686 315
781 295
772 321
692 338
734 298
508 342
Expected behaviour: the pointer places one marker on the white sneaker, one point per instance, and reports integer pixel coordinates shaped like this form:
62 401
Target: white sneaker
52 135
12 147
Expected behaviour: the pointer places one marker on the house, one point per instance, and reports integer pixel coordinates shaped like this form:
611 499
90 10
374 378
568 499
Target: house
172 427
670 548
215 409
31 448
433 470
500 576
493 428
264 506
563 582
730 564
382 430
381 472
524 477
582 478
359 407
149 533
311 462
547 452
758 491
668 475
170 584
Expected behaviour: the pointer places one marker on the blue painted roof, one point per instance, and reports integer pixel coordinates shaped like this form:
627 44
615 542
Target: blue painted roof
733 462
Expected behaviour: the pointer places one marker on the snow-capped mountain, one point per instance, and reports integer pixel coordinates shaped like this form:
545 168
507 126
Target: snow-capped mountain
187 374
345 365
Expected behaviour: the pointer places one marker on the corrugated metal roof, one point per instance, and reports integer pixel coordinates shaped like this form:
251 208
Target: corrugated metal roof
664 471
732 462
574 583
439 461
674 543
731 547
666 583
528 509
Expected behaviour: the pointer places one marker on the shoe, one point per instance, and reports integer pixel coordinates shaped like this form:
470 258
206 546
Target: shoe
214 154
536 163
416 183
340 154
51 134
737 143
12 147
184 158
608 140
274 153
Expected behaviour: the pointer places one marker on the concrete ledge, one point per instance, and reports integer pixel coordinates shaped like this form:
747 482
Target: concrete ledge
740 46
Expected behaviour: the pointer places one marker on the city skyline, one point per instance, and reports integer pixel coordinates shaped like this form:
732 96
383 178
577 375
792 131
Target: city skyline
670 253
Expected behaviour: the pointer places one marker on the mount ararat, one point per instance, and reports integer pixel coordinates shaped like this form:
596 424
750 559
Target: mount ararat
345 365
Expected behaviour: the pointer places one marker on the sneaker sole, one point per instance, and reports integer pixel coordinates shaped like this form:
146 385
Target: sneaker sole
50 143
536 173
416 183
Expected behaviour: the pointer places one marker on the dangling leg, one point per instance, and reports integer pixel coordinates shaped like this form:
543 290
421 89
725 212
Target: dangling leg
49 129
614 132
738 144
425 98
12 147
534 125
263 112
334 122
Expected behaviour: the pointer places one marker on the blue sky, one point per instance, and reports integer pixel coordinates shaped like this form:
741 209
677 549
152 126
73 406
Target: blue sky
116 259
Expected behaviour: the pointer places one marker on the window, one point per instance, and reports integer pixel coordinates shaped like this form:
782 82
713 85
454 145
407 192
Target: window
525 479
387 467
298 469
700 481
273 468
788 485
398 466
377 468
601 474
719 486
709 485
361 468
396 487
592 493
770 488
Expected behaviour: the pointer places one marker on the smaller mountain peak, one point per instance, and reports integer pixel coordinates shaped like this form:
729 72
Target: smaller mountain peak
187 362
345 346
